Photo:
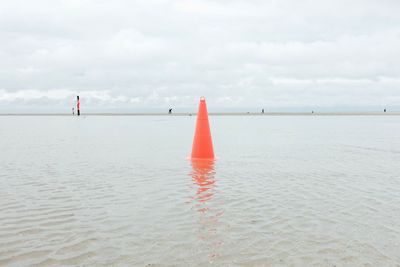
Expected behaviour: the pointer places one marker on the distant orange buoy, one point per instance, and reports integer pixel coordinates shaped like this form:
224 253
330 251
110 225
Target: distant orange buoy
202 142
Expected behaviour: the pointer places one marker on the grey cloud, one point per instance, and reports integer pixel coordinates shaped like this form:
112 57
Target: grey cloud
165 52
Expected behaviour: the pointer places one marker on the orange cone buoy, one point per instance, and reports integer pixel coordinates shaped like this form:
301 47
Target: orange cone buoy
202 143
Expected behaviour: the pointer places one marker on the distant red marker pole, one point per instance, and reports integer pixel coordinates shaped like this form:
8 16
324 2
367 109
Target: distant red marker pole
202 143
78 105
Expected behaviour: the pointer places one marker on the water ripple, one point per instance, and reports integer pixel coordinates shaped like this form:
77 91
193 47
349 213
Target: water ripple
121 193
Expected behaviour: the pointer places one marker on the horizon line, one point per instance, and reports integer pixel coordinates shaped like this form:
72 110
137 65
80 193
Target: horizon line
336 113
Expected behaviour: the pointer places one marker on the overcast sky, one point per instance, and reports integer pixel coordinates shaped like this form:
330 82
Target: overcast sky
167 53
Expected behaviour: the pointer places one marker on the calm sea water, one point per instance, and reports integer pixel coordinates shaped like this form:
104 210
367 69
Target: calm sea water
121 191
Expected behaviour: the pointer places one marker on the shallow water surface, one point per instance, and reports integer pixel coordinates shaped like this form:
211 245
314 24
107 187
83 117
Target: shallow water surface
121 191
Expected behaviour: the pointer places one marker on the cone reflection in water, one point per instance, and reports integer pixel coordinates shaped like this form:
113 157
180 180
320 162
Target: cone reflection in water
203 176
208 207
202 143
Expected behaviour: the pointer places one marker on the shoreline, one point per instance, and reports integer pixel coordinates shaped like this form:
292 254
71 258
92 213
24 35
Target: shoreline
216 114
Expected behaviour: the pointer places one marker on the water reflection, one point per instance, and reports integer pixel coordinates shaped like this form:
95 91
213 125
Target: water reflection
206 205
203 175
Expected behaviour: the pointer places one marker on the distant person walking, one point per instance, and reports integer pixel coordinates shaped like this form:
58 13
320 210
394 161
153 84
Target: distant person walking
262 111
170 111
78 105
384 110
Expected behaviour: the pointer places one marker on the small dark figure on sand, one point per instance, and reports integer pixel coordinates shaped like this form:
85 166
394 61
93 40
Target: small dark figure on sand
78 105
262 111
312 112
170 111
384 110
